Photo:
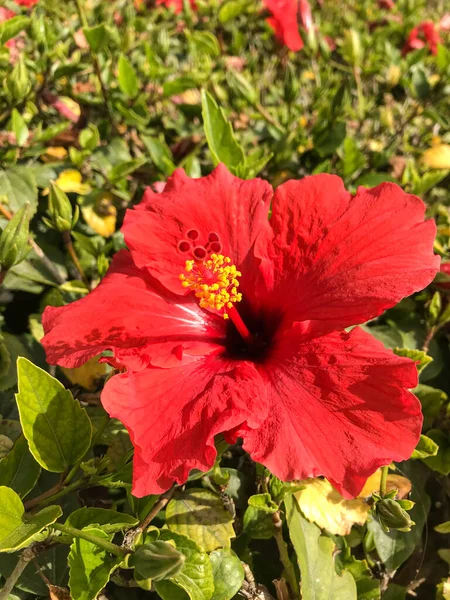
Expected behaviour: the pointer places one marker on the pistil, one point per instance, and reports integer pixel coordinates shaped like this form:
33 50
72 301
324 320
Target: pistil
215 283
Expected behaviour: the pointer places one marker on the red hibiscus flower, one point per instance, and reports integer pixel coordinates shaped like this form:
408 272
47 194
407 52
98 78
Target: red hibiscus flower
445 271
284 22
177 5
306 397
6 14
27 3
425 34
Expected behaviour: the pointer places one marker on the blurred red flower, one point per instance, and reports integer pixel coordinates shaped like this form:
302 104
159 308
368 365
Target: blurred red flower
177 5
284 22
307 397
386 4
425 34
27 3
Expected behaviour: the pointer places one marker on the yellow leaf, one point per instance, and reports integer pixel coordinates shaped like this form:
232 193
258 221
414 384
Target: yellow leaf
87 375
54 153
323 505
394 482
101 217
71 180
437 157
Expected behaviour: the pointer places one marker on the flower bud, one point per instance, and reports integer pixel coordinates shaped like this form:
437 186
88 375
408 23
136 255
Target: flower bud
157 560
62 216
18 83
392 516
14 239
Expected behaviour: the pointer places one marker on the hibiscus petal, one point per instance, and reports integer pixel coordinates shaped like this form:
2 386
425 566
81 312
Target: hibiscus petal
342 260
127 314
173 415
338 408
187 214
284 22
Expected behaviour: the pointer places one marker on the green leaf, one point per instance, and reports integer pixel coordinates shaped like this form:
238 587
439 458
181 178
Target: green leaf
128 80
179 85
257 523
58 430
418 356
17 529
315 559
160 154
203 43
157 560
443 527
90 566
9 29
196 577
19 470
425 448
19 127
228 574
328 138
126 168
219 135
395 592
19 186
109 521
96 37
232 9
263 502
200 515
441 461
431 399
353 159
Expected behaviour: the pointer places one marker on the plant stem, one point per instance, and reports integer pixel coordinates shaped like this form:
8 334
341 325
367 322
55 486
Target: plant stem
25 558
284 555
383 482
164 499
67 239
268 117
89 537
49 497
429 337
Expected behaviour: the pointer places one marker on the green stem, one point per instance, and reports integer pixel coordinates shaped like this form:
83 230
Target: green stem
383 482
89 537
284 554
82 13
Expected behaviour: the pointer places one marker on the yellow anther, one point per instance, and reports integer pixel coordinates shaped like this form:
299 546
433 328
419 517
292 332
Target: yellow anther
214 284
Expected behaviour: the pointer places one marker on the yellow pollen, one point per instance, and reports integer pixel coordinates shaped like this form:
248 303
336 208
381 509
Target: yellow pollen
214 282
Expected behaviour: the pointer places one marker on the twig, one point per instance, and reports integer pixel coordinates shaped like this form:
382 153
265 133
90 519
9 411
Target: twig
428 339
164 499
27 555
284 555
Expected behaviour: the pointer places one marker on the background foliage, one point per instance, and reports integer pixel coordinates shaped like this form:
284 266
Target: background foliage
106 98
